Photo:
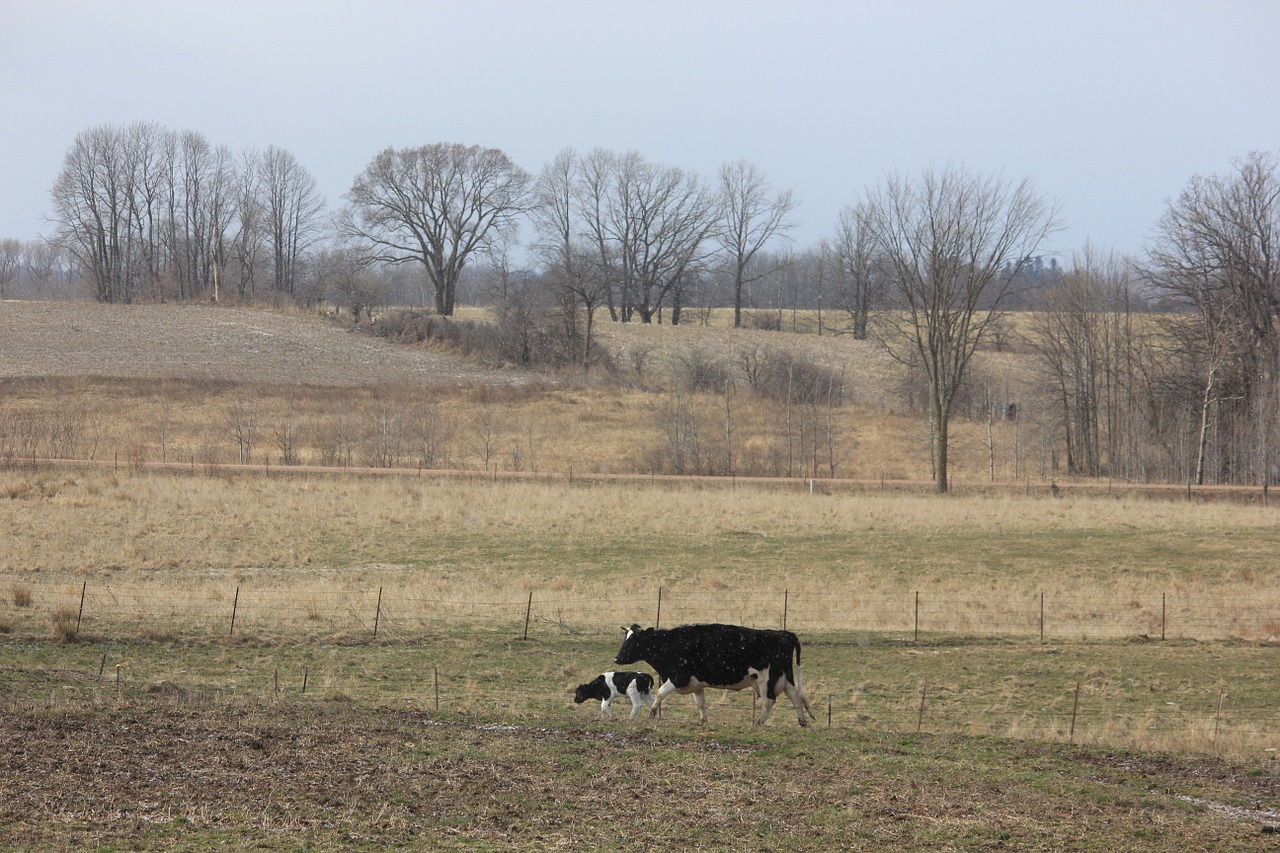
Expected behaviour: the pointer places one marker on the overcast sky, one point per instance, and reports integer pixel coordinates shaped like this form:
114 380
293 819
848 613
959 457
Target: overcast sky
1108 107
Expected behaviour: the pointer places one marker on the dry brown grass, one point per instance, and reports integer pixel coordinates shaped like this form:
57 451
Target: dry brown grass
312 553
65 629
133 384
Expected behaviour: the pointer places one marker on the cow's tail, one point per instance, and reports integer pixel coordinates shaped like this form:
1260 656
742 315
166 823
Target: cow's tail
804 700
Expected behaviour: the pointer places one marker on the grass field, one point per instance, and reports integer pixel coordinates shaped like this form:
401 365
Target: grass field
156 724
202 656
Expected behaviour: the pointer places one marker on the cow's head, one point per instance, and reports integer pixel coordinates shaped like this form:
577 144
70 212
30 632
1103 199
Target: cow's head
580 695
634 645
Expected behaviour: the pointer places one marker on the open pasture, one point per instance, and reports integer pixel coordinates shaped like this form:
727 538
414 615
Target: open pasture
146 720
205 656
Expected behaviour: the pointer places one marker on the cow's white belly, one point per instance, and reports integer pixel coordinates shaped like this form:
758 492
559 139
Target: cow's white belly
754 677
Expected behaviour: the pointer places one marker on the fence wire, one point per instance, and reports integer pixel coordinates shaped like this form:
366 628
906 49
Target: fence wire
107 608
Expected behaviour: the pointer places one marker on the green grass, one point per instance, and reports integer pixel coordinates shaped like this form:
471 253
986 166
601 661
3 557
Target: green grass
1133 694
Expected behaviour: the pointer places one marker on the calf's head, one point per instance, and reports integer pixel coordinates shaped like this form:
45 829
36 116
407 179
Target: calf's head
635 645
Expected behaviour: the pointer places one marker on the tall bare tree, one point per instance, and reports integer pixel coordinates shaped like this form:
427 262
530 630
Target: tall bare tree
1085 344
435 205
862 271
953 240
574 269
752 215
648 226
1217 250
142 209
246 231
292 205
11 264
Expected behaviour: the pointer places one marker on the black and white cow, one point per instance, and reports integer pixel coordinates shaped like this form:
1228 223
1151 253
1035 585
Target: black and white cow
693 657
637 686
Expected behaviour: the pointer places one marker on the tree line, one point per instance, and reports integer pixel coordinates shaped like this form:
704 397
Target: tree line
1155 367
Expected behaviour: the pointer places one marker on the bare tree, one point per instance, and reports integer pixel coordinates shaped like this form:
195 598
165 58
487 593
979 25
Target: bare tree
143 209
435 205
1217 250
291 204
90 210
862 271
950 238
11 263
43 263
247 228
648 226
751 216
345 276
574 270
1084 342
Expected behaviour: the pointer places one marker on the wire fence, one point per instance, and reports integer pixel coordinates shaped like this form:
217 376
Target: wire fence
390 612
1066 706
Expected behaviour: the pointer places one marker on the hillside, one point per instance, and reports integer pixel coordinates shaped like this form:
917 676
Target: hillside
205 342
220 385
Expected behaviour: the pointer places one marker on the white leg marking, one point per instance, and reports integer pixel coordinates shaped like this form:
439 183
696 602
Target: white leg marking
664 691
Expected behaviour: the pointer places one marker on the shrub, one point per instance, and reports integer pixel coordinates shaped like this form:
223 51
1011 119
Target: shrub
787 378
64 625
703 371
764 321
21 596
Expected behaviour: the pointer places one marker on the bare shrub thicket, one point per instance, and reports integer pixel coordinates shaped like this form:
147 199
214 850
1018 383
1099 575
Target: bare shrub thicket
60 432
788 378
789 427
690 443
703 370
522 333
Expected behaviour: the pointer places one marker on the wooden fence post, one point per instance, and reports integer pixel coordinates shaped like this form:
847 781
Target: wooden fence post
917 633
81 613
377 616
235 604
786 594
1042 617
658 619
1217 719
1075 708
924 690
527 612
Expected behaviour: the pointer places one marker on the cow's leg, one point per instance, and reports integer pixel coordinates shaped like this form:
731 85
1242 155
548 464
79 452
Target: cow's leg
766 696
804 700
605 713
638 699
700 697
797 699
668 687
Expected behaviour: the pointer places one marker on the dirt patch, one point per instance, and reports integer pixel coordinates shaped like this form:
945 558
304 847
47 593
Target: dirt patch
205 342
168 775
334 776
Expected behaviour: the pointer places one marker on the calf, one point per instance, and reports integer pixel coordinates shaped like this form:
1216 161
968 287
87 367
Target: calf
638 686
729 657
